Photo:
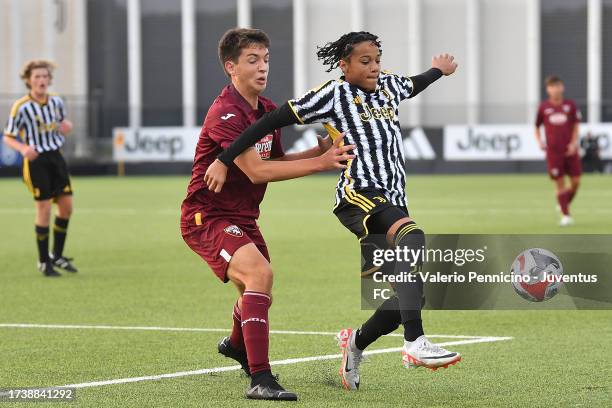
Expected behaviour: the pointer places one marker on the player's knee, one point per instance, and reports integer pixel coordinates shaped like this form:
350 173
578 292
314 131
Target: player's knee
264 274
43 212
65 212
64 207
411 236
256 276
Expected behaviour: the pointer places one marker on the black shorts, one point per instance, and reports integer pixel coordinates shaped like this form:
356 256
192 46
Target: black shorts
47 177
355 210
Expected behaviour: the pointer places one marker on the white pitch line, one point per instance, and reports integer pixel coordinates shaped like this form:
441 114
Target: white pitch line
272 363
194 329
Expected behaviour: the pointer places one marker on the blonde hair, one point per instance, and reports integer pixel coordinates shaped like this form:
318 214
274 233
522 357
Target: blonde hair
31 65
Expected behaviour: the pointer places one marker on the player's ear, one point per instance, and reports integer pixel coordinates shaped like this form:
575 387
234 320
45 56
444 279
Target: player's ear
230 67
343 64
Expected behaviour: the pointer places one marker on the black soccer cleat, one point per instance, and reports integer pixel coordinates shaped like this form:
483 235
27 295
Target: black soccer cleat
47 269
267 388
63 263
240 356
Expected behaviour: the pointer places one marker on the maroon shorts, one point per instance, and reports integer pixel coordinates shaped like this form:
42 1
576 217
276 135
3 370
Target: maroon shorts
216 240
560 165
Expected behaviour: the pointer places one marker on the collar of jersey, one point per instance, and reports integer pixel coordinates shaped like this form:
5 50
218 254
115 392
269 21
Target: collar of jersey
34 100
243 101
365 91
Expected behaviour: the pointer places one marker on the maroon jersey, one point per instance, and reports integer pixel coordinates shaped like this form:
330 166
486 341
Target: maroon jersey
229 115
559 122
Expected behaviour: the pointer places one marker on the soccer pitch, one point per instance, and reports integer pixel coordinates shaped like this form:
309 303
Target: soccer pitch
138 283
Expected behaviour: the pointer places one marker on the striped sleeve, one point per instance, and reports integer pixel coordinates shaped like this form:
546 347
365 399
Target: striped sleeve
61 108
316 105
402 84
15 121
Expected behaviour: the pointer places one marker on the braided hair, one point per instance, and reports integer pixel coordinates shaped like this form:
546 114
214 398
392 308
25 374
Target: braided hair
332 52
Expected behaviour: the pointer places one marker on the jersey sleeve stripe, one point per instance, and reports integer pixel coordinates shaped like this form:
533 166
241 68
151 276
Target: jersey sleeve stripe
295 112
17 105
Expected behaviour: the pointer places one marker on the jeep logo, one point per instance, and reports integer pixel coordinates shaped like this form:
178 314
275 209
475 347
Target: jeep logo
495 142
164 144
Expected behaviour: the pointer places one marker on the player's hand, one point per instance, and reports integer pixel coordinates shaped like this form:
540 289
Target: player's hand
215 176
337 156
572 149
445 63
29 153
65 127
542 146
324 143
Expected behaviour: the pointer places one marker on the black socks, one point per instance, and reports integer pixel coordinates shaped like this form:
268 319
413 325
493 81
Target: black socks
384 320
42 242
59 236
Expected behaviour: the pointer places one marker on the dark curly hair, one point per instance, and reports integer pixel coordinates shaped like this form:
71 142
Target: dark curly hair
332 52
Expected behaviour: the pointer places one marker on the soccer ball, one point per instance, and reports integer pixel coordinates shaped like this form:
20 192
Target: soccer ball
540 271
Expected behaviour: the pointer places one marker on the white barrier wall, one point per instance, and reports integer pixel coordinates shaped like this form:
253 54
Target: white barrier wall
463 143
155 144
510 142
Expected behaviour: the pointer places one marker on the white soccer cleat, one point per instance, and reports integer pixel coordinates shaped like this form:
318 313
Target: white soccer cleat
423 353
351 358
566 220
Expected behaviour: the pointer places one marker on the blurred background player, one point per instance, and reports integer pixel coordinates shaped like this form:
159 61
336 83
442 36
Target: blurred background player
561 119
591 161
221 227
36 128
370 194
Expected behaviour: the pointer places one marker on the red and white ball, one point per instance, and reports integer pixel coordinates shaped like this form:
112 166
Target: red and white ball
540 274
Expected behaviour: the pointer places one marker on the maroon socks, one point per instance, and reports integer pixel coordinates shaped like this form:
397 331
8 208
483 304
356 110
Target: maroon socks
255 329
236 339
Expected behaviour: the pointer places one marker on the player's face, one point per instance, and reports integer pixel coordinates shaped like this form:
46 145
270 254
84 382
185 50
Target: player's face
555 91
251 70
363 65
39 81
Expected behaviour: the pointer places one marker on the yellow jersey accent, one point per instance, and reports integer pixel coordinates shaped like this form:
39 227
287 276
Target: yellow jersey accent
26 175
365 227
198 218
295 112
18 104
333 132
364 198
350 197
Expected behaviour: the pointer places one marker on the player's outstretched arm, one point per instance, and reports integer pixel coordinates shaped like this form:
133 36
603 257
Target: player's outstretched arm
263 171
276 119
441 65
323 145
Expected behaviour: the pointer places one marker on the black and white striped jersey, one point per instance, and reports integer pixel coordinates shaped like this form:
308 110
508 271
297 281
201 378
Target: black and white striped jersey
37 124
369 121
